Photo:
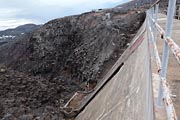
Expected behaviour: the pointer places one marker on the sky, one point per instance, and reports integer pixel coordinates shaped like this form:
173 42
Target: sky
18 12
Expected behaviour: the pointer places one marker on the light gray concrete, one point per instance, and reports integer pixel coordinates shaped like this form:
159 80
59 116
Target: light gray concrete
128 95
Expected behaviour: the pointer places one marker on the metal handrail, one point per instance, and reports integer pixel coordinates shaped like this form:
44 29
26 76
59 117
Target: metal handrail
159 28
157 2
172 45
171 113
174 48
157 58
164 91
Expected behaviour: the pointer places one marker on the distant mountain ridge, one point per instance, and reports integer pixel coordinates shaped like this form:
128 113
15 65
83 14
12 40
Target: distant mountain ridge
136 4
11 34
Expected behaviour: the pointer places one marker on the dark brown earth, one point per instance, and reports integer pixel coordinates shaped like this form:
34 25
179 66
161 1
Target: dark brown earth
40 72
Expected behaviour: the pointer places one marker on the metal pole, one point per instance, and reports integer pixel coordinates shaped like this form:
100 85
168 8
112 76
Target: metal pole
151 17
149 26
178 12
152 22
170 17
149 94
155 18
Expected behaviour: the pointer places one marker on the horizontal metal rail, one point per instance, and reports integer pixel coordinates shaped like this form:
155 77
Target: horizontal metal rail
159 28
155 3
167 100
172 45
157 58
153 26
174 48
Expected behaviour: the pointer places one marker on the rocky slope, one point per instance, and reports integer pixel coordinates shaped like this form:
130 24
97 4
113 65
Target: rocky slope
135 4
41 71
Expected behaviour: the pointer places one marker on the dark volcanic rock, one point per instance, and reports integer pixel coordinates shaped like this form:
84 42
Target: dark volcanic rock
77 47
45 68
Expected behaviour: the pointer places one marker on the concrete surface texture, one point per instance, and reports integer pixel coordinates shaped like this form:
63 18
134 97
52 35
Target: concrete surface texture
128 95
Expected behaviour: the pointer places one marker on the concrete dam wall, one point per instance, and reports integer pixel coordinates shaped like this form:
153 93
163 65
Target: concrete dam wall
128 94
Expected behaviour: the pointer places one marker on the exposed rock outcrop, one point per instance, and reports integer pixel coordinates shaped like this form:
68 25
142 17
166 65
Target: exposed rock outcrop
45 68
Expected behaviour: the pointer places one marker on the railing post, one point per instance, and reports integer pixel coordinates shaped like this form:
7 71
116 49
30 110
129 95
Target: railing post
170 17
152 14
155 18
149 21
178 12
148 75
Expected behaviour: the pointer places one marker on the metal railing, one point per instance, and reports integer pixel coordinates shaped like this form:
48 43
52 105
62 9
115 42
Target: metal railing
177 12
153 27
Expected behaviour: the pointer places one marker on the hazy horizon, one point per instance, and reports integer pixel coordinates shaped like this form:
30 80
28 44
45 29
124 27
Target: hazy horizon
18 12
